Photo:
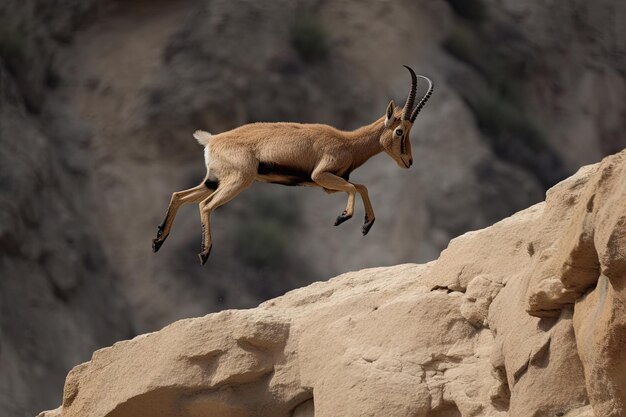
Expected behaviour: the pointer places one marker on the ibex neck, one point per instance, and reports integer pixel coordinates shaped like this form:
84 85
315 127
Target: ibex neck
366 141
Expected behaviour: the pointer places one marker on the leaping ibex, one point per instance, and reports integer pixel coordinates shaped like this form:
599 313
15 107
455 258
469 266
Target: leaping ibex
294 154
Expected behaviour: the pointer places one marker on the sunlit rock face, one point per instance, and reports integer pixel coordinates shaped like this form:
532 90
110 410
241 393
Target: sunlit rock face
524 318
98 101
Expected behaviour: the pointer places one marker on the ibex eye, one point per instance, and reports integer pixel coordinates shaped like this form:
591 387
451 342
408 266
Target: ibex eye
398 132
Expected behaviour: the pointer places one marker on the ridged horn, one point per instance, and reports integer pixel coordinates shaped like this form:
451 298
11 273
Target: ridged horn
411 98
423 100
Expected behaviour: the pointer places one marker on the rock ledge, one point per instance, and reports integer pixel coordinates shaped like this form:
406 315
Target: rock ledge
524 318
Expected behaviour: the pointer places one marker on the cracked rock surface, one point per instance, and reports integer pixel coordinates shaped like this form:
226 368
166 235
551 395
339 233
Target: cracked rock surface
524 318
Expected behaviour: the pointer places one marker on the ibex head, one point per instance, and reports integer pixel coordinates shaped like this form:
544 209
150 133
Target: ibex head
395 138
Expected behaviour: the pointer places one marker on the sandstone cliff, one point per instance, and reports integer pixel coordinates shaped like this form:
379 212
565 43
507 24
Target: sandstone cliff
524 318
98 99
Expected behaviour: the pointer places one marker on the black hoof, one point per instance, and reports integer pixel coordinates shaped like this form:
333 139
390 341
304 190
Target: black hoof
156 244
204 256
342 218
367 226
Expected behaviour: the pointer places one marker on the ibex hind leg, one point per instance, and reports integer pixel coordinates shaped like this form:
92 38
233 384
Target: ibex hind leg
227 190
179 198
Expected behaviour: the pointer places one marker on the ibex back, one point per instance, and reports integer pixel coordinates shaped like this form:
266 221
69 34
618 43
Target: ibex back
313 155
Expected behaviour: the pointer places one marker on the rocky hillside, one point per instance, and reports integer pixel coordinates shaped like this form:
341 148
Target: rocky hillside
98 100
524 318
53 266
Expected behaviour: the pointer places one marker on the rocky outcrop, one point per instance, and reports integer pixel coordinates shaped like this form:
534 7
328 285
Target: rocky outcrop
98 100
524 318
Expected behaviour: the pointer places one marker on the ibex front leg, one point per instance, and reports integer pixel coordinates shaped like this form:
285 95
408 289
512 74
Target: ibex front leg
369 210
179 198
333 182
227 190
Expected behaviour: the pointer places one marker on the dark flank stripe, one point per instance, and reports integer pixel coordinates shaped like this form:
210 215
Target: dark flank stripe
270 168
289 175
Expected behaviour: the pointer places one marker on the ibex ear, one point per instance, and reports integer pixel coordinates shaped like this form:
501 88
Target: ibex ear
389 119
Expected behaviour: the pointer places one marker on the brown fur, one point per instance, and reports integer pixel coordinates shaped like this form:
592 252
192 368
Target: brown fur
314 155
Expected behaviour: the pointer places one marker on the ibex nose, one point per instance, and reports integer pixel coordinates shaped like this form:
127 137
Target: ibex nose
410 161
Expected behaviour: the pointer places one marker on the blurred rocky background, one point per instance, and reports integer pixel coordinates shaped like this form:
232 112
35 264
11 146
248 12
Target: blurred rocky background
98 100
